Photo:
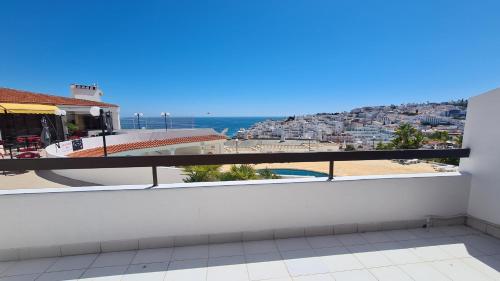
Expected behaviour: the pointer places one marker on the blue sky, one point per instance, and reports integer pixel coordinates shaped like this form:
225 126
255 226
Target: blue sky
252 58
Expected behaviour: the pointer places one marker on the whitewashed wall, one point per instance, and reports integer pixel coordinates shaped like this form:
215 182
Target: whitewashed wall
133 136
482 135
43 219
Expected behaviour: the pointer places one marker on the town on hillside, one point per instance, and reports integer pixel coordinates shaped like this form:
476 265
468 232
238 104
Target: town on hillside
369 127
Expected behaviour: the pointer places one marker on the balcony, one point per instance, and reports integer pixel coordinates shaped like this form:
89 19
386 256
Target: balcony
440 226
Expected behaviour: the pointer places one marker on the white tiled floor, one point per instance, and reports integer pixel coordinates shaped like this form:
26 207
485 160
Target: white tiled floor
446 253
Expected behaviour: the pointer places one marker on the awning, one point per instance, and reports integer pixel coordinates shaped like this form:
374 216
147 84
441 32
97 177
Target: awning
27 108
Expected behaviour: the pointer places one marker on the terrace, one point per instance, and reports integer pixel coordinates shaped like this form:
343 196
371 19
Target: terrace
440 226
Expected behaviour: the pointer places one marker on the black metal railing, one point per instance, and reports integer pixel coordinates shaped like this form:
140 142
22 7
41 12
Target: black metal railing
220 159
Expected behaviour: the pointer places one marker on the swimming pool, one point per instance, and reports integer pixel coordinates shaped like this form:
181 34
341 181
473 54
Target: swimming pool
298 172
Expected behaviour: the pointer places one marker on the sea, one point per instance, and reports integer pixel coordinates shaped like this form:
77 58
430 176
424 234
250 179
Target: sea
219 124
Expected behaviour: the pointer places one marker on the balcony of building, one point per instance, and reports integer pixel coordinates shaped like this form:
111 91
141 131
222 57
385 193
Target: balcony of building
440 226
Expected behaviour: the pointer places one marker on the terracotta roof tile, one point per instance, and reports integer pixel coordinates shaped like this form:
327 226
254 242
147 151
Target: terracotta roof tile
99 151
18 96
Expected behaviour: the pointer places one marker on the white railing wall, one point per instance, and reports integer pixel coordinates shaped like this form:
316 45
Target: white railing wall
73 217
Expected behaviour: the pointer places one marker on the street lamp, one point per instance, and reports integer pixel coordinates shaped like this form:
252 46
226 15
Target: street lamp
236 141
166 115
309 138
139 115
99 112
373 139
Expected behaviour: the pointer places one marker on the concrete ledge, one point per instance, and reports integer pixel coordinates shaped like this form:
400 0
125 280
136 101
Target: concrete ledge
484 226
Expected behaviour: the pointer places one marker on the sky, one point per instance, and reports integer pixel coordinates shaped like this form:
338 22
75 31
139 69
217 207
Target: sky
252 58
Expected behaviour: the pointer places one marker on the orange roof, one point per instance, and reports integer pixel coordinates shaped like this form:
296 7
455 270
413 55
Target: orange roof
99 151
17 96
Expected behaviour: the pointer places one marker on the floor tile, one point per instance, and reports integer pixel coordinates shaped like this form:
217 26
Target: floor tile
401 235
487 265
112 273
4 265
190 252
292 244
318 242
266 266
397 253
227 269
146 272
460 250
338 259
457 230
376 237
187 270
351 239
459 271
389 273
114 259
29 266
303 262
354 275
485 244
423 272
153 255
369 256
73 262
225 250
315 277
29 277
259 247
426 251
61 275
432 232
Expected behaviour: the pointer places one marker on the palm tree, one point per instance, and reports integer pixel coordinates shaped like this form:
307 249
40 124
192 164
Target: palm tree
268 174
240 172
459 140
202 173
407 137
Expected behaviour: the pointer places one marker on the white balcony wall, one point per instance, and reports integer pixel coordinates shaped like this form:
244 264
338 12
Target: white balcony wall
482 135
59 217
64 148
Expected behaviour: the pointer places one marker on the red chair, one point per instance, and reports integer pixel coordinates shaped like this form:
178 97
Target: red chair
26 149
34 141
21 140
28 155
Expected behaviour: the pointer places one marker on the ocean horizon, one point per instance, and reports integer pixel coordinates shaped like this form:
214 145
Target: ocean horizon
232 124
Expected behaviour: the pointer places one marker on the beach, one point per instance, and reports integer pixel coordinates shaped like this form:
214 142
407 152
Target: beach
356 168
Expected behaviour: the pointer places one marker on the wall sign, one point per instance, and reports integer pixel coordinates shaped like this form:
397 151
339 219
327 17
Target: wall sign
77 144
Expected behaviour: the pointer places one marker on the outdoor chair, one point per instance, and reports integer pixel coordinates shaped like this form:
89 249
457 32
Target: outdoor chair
34 141
28 155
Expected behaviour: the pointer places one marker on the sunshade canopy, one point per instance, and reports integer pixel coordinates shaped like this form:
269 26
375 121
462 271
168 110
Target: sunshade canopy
27 108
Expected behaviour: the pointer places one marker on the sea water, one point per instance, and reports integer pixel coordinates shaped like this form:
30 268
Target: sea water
232 124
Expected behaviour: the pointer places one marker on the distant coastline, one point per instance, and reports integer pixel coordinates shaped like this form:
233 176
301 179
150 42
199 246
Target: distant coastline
233 124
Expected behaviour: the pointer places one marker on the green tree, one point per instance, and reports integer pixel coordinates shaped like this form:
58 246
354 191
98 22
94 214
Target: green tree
440 136
202 173
268 174
71 128
459 140
407 137
349 147
239 172
384 146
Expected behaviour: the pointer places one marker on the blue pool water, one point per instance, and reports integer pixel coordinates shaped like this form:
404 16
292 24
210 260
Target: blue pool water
298 172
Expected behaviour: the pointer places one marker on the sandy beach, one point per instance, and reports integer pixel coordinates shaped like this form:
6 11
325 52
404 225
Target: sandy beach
356 168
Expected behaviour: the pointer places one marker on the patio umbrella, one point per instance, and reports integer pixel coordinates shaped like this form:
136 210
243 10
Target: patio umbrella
45 136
